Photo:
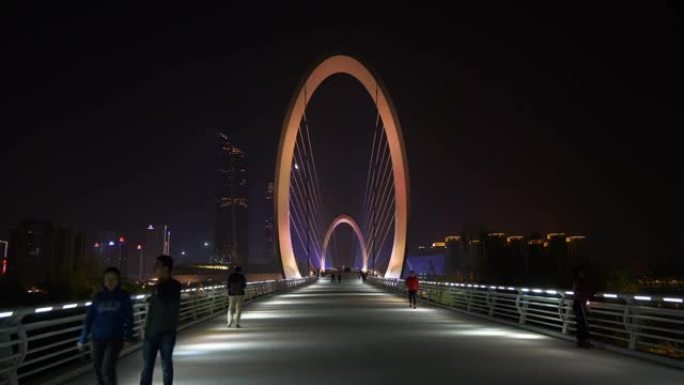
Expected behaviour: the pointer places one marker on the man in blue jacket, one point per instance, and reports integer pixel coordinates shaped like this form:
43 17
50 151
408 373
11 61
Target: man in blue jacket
109 322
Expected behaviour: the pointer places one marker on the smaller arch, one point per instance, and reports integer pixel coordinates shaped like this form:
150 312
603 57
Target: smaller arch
347 220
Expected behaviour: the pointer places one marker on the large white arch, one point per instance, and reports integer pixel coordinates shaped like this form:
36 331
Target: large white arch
346 220
328 67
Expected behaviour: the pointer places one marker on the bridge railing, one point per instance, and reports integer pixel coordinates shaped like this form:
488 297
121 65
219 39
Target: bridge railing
646 325
38 345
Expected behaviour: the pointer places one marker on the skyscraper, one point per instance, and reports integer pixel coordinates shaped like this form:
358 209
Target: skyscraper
269 229
230 238
40 252
110 249
157 242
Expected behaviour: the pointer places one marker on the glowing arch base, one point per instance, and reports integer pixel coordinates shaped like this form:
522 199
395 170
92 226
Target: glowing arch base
346 220
328 67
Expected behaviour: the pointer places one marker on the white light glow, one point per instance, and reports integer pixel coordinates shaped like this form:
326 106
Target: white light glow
525 289
551 292
537 290
43 309
280 302
501 333
6 314
207 348
88 303
70 306
570 292
140 296
673 300
607 295
642 298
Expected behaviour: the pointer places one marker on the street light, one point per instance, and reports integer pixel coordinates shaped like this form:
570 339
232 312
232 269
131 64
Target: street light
183 252
206 244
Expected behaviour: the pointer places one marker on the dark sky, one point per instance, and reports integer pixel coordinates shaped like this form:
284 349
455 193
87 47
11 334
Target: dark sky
515 118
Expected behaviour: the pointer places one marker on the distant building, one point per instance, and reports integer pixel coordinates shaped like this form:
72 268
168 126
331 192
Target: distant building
231 238
112 249
427 260
577 249
455 263
71 247
516 257
269 227
40 252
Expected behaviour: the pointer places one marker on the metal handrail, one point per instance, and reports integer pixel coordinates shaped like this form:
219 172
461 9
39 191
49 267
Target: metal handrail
37 343
653 325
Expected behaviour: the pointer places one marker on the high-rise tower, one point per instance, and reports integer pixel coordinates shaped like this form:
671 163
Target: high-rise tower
269 229
230 238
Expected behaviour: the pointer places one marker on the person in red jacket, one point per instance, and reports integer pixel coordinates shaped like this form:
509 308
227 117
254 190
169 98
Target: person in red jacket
412 285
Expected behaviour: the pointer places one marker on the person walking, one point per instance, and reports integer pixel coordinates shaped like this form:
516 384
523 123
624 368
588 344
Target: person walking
236 296
332 277
161 321
339 276
108 322
582 293
412 285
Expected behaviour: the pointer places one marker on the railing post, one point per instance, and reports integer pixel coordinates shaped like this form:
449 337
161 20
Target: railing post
491 302
452 296
522 305
140 317
630 324
194 304
469 300
565 313
11 375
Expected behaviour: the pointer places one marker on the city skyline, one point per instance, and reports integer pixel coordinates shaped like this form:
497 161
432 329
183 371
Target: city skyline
546 142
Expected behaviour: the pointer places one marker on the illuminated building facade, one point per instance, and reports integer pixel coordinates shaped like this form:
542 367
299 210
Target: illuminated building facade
231 236
269 230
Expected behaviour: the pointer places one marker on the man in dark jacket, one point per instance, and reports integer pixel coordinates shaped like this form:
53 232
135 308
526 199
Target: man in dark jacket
161 322
236 295
109 321
582 293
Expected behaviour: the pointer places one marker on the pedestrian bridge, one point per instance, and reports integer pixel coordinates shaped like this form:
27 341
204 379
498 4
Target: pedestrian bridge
355 333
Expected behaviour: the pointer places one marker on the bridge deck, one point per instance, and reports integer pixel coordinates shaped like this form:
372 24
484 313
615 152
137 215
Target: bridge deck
356 334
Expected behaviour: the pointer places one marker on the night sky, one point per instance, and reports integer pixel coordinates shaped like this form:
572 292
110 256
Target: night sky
515 119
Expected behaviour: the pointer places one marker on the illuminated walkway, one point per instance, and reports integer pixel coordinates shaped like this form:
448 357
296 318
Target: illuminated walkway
356 334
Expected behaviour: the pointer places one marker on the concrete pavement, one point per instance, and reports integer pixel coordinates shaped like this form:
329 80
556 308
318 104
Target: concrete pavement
356 334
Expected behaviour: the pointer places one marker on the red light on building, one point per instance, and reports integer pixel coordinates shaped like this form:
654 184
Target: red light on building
96 245
4 266
122 240
139 247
